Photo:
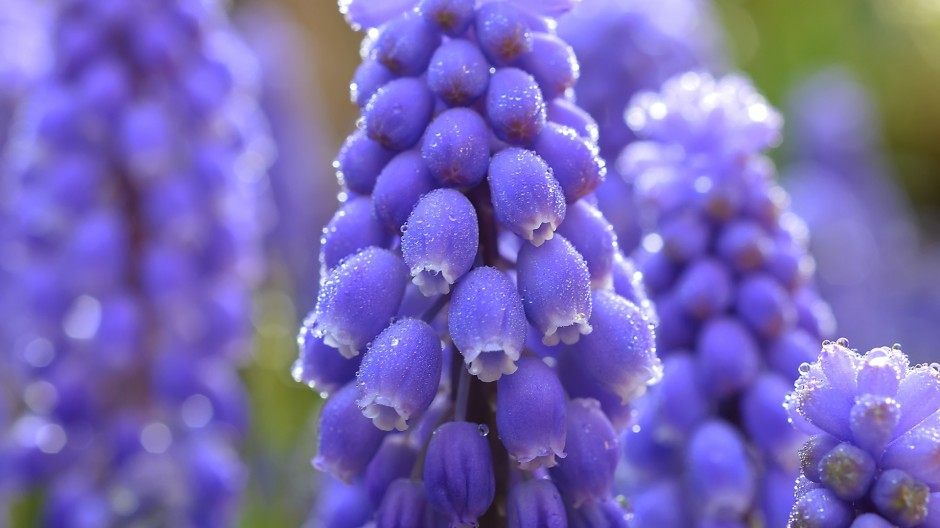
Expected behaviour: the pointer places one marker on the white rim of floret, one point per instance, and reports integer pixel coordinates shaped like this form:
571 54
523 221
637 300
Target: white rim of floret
386 413
333 468
545 457
567 330
482 361
540 229
339 340
638 381
432 279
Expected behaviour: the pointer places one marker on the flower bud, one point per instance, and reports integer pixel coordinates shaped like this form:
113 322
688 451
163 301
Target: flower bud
502 31
575 160
530 414
764 305
451 17
401 183
405 44
399 374
358 298
459 73
487 323
594 238
728 357
348 440
458 472
394 460
514 106
847 471
900 498
360 161
535 503
404 506
819 508
555 286
353 227
456 148
398 113
552 62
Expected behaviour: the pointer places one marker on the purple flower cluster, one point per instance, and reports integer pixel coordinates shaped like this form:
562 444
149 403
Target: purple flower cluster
726 265
131 198
478 366
624 47
874 458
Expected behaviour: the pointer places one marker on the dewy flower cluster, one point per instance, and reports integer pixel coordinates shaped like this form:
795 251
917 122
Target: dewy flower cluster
129 264
480 364
874 458
726 265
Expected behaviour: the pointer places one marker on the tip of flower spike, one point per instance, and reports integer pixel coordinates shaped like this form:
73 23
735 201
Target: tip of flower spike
368 14
697 111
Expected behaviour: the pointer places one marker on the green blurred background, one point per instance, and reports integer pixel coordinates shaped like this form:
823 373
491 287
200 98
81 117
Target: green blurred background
892 46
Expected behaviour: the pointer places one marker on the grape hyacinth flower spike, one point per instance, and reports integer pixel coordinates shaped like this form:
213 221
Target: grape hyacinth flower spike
451 402
133 211
874 455
727 267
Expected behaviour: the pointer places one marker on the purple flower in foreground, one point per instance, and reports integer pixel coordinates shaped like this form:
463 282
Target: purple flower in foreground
471 149
875 451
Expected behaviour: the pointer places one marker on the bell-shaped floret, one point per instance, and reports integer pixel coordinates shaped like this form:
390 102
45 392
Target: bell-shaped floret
348 440
620 352
400 373
458 472
527 199
319 366
487 323
440 241
358 299
530 414
555 286
719 471
593 450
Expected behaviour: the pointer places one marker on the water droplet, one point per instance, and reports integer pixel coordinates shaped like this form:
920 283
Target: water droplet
635 429
484 430
827 343
395 341
804 368
896 346
843 342
935 367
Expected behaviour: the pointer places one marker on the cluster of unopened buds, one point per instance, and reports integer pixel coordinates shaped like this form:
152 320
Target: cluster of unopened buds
489 352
